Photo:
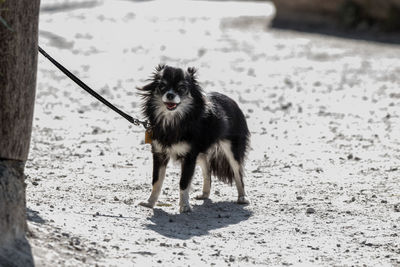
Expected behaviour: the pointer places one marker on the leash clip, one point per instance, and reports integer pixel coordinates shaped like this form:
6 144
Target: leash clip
146 124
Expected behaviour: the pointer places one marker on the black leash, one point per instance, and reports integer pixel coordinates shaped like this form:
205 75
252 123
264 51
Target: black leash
145 124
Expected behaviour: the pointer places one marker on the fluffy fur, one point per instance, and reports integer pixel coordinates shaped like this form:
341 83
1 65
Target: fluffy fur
191 127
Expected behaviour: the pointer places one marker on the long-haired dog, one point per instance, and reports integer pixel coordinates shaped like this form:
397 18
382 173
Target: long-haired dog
191 127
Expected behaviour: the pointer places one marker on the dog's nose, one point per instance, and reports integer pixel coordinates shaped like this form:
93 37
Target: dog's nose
170 96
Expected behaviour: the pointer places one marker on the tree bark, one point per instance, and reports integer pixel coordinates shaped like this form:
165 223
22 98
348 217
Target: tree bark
14 248
18 67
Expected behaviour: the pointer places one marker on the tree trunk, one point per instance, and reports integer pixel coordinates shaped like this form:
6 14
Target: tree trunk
18 67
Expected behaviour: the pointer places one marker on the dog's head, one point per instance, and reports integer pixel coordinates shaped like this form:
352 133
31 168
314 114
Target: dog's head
171 95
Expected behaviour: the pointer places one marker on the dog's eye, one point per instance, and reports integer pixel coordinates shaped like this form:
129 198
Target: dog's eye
161 86
182 89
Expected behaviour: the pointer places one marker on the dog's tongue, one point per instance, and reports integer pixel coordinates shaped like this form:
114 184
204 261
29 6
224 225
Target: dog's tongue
170 105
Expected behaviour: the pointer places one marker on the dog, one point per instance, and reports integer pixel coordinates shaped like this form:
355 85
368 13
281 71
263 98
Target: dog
192 128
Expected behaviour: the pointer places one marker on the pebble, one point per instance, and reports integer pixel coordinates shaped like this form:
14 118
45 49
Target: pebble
65 234
397 207
310 210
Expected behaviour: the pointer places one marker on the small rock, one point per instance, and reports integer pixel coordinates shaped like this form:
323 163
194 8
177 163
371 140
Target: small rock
397 207
299 197
286 106
65 234
319 170
310 211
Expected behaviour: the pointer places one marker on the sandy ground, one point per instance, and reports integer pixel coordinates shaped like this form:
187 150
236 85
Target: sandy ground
323 173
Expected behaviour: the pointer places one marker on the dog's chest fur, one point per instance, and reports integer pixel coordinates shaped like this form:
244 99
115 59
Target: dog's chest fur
174 151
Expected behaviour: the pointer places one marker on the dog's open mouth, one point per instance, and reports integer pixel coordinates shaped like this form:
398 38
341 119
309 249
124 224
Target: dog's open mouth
170 105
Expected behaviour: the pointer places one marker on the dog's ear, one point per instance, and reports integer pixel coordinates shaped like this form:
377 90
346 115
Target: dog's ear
192 73
154 79
158 73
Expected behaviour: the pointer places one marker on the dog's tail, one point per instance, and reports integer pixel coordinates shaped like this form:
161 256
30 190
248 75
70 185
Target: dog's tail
220 167
225 168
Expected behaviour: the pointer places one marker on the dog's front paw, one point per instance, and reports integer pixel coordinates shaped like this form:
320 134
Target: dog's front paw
243 200
146 204
185 209
202 196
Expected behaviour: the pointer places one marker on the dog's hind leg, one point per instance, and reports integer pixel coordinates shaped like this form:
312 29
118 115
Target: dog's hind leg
240 188
206 171
159 168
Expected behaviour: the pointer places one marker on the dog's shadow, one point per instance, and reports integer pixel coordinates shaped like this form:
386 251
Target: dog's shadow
205 217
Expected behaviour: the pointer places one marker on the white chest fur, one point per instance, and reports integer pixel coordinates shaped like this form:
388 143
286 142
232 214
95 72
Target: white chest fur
174 151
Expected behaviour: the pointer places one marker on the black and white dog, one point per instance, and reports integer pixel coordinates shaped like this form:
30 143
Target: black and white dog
191 127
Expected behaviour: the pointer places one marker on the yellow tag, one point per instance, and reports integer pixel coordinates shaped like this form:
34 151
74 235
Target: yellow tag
147 137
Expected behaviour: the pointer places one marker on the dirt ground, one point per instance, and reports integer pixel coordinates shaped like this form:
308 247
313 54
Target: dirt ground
322 176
